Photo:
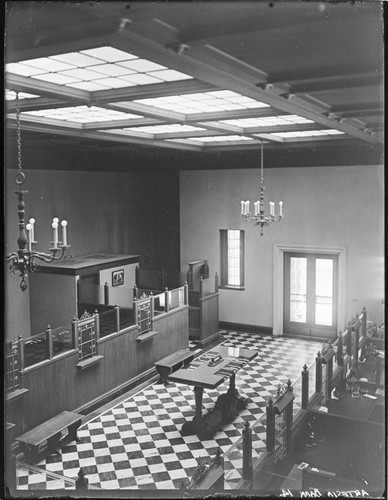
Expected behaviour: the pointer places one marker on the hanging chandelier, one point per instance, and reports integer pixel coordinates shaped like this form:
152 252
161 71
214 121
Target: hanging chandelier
258 217
26 260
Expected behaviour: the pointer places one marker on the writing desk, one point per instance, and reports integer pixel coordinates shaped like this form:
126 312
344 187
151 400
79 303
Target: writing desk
227 361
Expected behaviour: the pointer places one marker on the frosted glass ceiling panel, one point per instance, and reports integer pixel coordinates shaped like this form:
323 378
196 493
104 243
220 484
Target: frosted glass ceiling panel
206 102
10 95
95 64
82 114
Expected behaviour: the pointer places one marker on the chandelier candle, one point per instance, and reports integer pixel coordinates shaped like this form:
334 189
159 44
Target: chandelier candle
258 217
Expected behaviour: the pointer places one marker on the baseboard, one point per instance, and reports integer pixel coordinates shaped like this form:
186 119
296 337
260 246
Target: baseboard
209 341
305 337
241 327
116 392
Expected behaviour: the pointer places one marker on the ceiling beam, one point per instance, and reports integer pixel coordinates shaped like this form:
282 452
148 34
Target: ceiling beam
152 90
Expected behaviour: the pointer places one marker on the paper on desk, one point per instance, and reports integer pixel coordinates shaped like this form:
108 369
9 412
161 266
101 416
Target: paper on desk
323 408
370 396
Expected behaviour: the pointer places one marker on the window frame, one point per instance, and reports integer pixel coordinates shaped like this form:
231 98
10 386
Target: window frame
224 275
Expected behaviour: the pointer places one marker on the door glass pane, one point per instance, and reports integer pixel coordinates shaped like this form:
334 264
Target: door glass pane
298 289
323 292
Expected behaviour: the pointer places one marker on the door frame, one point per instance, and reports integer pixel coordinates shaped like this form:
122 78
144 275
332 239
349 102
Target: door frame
278 281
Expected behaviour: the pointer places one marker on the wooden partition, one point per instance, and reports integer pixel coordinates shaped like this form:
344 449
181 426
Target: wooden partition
122 360
203 297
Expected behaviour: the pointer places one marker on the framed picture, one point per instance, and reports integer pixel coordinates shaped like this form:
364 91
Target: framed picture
118 277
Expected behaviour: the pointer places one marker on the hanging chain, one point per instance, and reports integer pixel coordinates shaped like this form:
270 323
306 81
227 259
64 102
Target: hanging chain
262 163
19 140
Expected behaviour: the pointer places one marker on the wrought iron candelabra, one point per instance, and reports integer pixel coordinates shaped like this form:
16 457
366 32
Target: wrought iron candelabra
26 260
258 216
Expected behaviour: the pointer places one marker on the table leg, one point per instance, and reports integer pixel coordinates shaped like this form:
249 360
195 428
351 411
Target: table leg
198 394
72 431
30 453
53 444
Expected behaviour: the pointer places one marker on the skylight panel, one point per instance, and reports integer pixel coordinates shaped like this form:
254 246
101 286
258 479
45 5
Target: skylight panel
82 114
205 102
108 54
142 65
56 78
107 66
48 64
141 79
110 69
23 69
306 133
170 75
222 138
113 83
77 59
89 86
82 74
165 129
10 95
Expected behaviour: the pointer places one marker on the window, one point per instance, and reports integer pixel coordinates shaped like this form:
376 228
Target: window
232 258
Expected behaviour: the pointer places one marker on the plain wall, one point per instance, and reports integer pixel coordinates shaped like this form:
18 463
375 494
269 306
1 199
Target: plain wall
125 213
323 207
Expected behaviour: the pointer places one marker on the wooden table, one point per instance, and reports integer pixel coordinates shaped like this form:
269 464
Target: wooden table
223 365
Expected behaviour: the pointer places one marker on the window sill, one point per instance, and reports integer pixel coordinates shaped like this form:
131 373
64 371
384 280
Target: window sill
232 287
16 394
146 336
86 363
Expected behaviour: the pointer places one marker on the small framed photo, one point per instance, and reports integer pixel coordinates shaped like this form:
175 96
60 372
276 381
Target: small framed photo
118 277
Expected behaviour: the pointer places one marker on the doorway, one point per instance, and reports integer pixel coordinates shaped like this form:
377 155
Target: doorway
310 294
279 284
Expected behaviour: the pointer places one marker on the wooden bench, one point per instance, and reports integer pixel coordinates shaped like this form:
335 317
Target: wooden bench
172 363
49 432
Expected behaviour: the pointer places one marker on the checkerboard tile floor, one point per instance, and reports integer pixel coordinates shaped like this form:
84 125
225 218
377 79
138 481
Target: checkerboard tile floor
137 444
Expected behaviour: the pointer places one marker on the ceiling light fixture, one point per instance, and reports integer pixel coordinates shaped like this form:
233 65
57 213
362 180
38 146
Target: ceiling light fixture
258 217
25 259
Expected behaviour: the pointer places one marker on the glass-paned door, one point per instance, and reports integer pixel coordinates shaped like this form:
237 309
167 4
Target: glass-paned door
310 294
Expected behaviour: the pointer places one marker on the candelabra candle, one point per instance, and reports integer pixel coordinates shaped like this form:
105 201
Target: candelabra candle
272 208
55 232
64 234
281 208
32 222
30 229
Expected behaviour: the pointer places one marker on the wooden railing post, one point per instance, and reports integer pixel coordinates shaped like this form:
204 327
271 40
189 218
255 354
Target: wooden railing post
201 288
135 292
216 283
152 307
289 418
186 293
247 472
117 318
49 343
357 339
318 375
97 328
106 294
166 300
135 311
340 356
78 292
270 425
20 353
364 322
74 332
305 387
349 339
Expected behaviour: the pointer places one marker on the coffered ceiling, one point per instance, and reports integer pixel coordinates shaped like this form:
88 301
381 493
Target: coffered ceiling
196 76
